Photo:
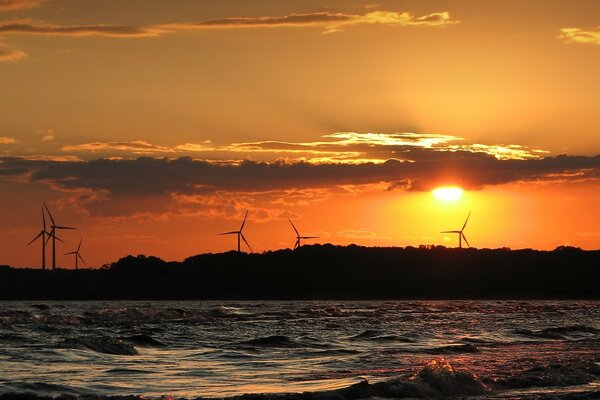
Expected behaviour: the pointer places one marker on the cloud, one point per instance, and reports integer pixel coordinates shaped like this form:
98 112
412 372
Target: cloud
122 185
331 22
377 147
134 147
6 140
195 147
42 28
43 157
11 55
340 147
577 35
47 135
13 5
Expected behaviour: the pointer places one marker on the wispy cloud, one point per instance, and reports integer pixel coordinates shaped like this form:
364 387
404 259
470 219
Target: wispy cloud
42 28
577 35
11 55
13 5
331 22
326 20
195 147
43 157
133 147
340 147
6 140
47 135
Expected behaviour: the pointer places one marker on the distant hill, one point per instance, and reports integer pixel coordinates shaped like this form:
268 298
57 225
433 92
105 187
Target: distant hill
325 272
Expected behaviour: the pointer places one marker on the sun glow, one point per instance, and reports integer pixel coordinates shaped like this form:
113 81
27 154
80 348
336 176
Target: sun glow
448 193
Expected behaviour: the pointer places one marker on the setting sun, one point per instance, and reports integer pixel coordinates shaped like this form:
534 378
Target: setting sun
448 193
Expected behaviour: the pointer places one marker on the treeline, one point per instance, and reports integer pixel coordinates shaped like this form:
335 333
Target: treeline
324 272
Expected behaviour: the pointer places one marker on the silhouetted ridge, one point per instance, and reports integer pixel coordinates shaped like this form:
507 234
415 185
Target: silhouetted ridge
324 272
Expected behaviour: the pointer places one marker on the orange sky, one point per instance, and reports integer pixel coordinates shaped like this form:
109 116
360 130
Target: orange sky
340 115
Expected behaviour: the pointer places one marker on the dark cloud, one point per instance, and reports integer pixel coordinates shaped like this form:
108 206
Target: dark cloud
159 177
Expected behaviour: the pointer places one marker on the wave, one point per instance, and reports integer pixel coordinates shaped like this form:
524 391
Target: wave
560 333
102 345
41 306
552 376
142 341
271 341
437 379
375 335
453 349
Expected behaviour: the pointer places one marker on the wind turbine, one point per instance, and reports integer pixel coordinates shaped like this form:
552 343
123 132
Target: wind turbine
240 235
52 235
77 255
298 237
42 235
460 233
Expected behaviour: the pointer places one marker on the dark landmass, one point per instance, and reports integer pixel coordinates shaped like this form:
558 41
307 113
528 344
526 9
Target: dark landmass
324 272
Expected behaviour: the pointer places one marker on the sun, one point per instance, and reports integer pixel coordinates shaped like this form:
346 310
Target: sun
448 193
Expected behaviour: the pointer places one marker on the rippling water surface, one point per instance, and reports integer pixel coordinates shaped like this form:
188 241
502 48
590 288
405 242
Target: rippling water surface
506 349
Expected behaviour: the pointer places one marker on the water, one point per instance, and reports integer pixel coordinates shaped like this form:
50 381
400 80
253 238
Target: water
485 349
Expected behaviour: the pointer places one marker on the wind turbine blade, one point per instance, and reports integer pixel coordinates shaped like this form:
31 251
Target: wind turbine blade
35 238
465 239
51 234
64 227
309 237
244 221
57 238
295 230
79 246
467 220
73 252
49 214
81 258
297 244
43 218
450 232
229 233
245 241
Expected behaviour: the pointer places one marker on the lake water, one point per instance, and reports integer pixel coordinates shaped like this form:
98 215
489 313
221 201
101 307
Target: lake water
423 349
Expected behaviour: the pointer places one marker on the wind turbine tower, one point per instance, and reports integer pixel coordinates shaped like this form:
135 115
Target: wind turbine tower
461 235
52 235
298 237
42 235
240 235
77 255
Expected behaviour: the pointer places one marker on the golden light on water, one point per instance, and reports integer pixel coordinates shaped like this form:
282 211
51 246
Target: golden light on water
448 193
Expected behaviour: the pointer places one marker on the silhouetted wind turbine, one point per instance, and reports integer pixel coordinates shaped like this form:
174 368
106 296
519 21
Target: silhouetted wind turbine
298 237
460 233
53 229
77 255
240 235
42 235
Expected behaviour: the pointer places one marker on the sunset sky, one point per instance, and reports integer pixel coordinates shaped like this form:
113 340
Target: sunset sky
153 125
